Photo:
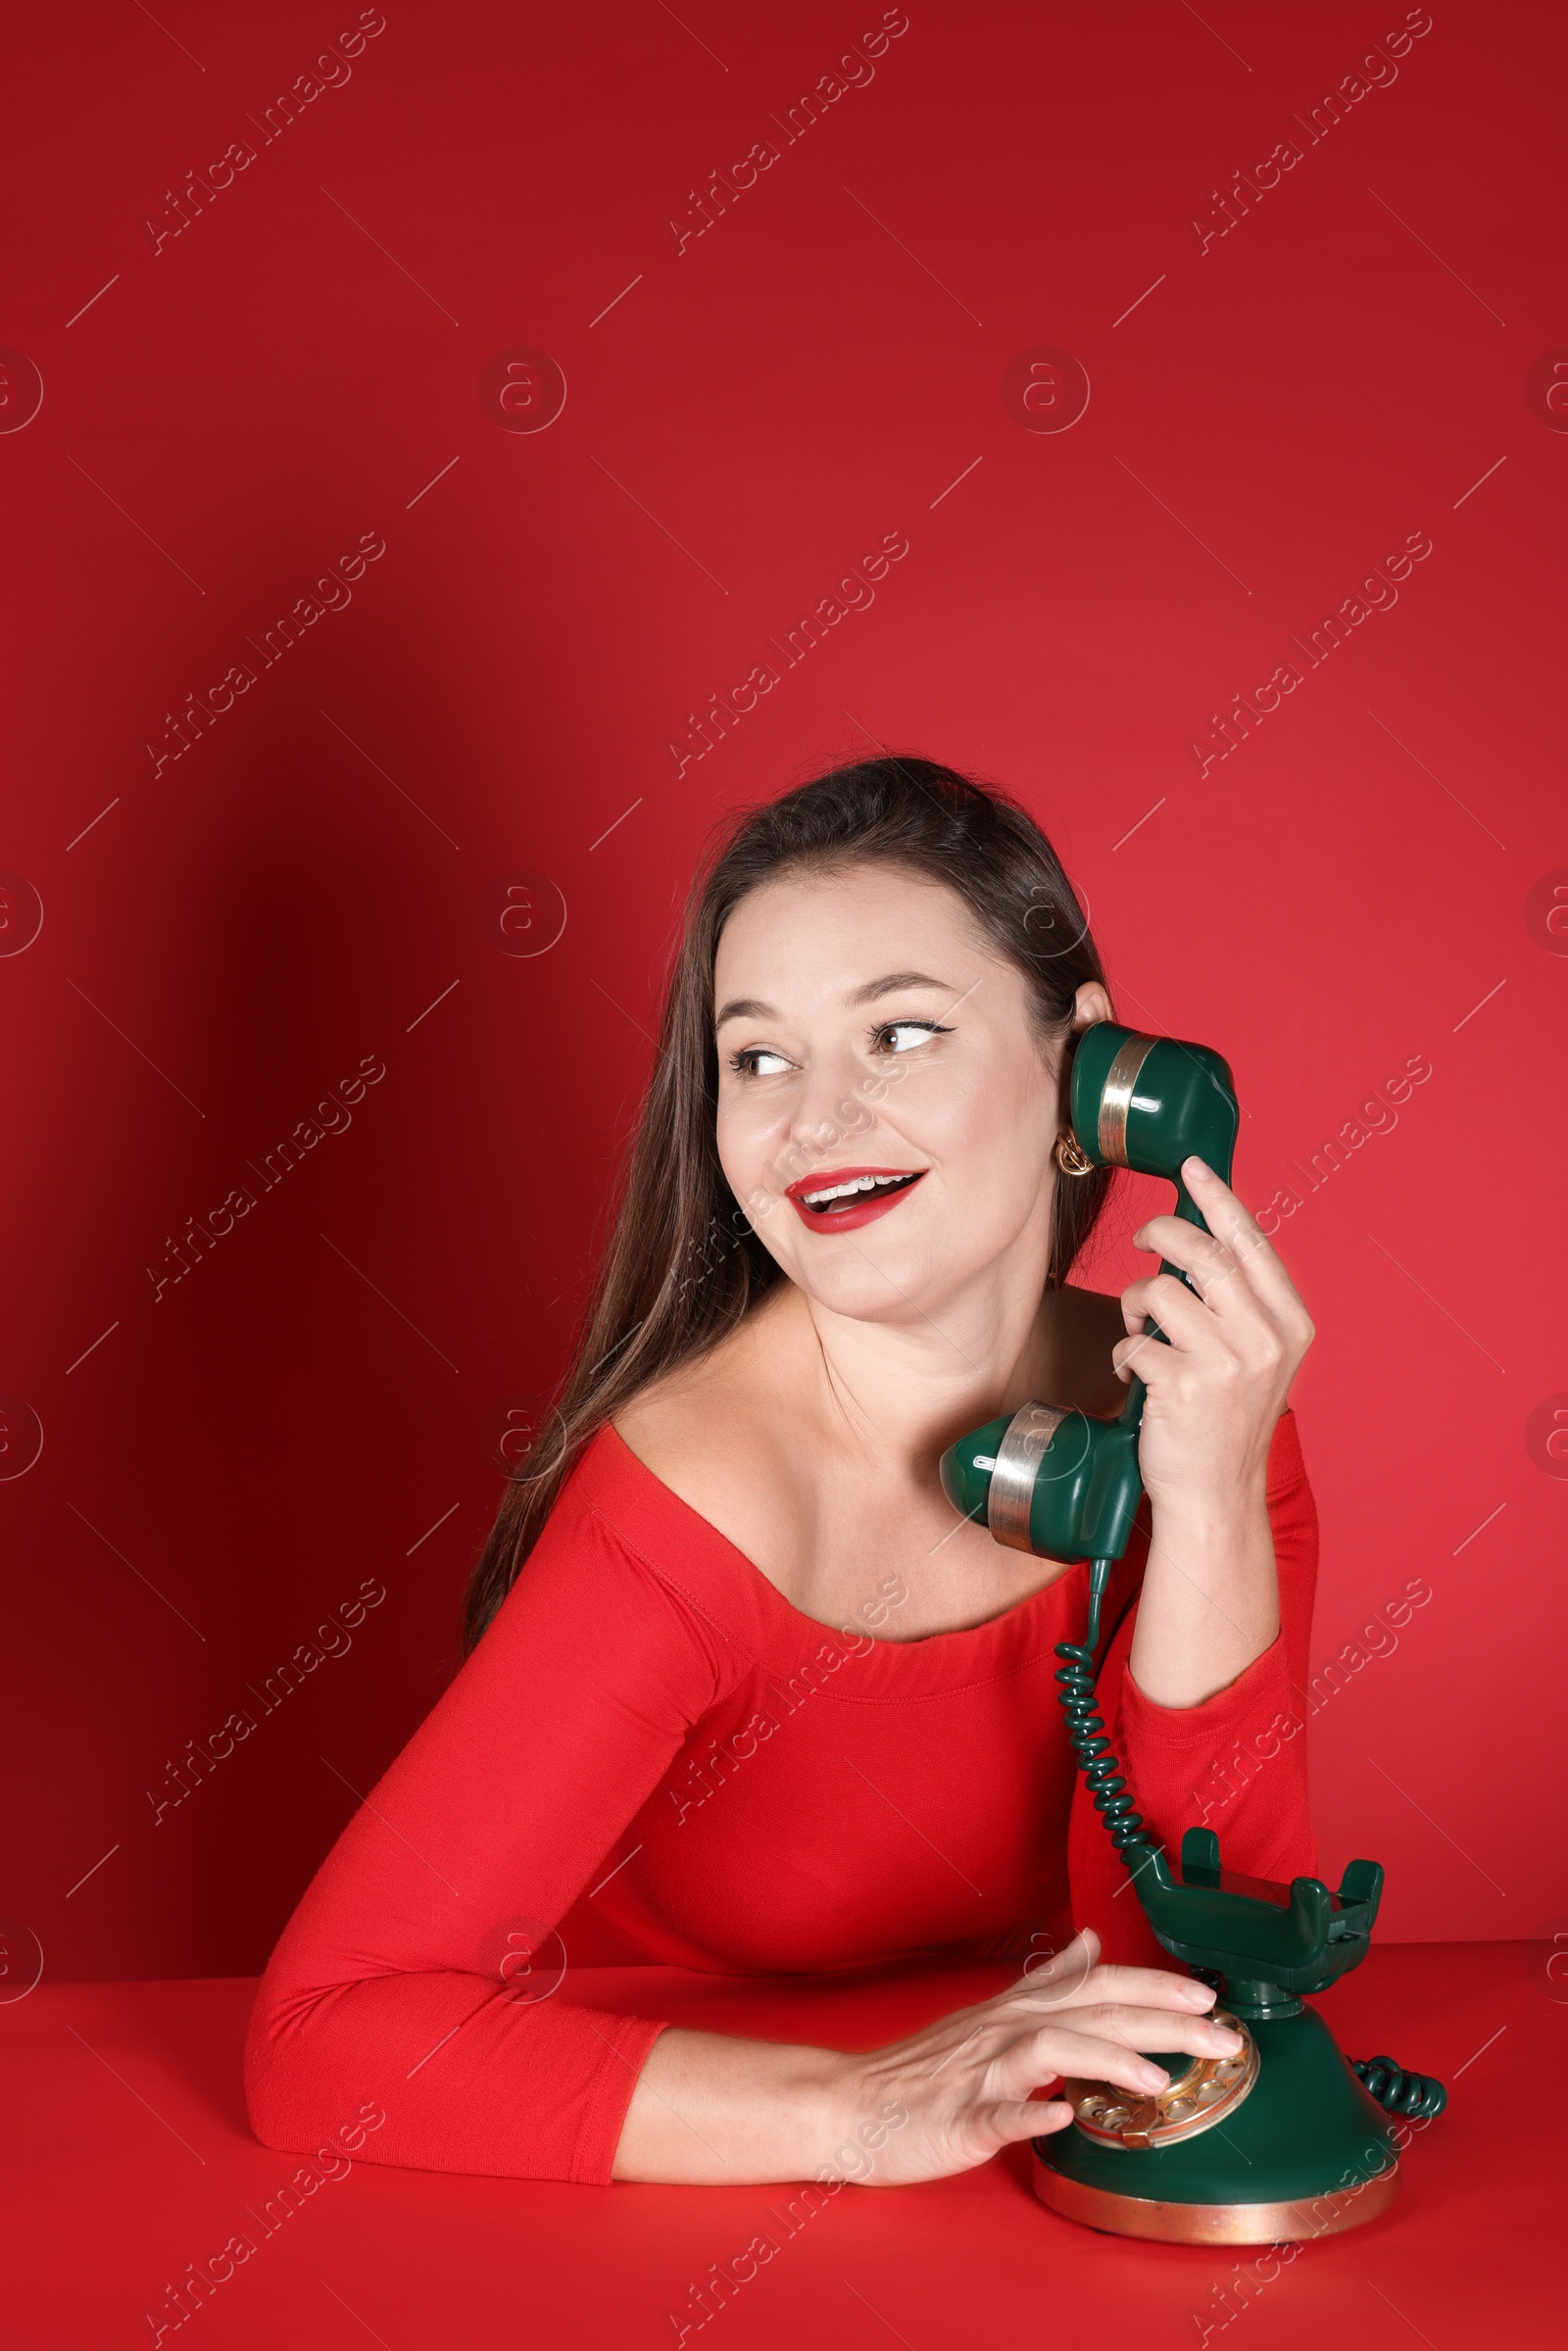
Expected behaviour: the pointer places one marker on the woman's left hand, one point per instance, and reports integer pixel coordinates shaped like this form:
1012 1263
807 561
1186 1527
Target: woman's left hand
1216 1391
1209 1602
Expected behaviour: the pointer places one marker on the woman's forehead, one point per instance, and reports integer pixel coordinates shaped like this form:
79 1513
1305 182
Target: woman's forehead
856 916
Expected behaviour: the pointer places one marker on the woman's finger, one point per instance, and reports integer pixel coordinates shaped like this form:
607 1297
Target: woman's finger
1160 1298
1129 1987
1070 1967
1234 1225
1236 1289
1010 2120
1209 1261
1119 2054
1139 2027
1053 2052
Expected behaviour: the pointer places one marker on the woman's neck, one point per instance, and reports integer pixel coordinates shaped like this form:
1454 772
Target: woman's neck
905 1387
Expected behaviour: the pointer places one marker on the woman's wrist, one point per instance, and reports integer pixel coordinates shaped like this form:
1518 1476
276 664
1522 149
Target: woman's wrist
713 2110
1218 1502
1209 1604
831 2095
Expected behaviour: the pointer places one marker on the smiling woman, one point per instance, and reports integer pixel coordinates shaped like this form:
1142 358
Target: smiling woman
734 1119
847 1228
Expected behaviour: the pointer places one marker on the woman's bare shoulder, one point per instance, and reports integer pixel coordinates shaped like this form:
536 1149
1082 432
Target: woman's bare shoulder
725 1435
704 1428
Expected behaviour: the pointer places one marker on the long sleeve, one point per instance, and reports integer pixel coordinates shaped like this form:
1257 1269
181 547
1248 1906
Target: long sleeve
421 1969
1236 1764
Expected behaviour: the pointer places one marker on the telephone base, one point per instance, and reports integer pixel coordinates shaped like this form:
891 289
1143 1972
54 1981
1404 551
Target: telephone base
1210 2223
1304 2151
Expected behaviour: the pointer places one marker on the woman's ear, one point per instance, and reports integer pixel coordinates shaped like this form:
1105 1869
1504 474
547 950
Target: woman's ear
1090 1004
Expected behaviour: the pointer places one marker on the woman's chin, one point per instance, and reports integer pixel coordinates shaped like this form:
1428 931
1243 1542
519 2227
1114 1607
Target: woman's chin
901 1285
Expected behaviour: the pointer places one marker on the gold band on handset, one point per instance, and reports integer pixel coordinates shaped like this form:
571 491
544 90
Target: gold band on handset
1117 1098
1013 1480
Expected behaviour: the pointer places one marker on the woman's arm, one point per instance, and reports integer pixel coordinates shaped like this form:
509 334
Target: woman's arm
1209 1604
712 2111
420 1967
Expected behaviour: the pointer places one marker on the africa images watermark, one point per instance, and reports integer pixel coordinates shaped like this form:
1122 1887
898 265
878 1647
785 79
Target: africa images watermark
198 1239
855 593
1234 1772
331 71
1377 1116
854 72
1234 2299
1377 71
201 2283
1377 594
706 1772
332 594
799 1157
854 2161
331 1639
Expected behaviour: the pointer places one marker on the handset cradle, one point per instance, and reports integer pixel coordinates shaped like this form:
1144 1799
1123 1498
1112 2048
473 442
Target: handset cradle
1288 2139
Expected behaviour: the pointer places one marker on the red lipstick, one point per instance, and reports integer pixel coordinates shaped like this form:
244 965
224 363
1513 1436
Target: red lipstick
876 1190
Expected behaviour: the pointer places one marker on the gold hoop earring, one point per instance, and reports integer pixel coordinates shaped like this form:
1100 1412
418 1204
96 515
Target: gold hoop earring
1069 1155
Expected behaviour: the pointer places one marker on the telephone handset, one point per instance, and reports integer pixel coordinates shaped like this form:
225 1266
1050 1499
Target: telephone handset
1057 1483
1248 2150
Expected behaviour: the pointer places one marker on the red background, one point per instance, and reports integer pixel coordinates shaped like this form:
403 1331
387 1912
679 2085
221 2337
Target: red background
224 941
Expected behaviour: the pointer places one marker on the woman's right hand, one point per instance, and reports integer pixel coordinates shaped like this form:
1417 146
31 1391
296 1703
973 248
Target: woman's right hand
962 2086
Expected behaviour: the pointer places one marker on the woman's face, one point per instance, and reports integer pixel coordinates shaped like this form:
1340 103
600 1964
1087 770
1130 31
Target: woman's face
886 1110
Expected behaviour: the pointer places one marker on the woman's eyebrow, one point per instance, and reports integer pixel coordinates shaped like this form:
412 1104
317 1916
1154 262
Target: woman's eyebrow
891 984
752 1007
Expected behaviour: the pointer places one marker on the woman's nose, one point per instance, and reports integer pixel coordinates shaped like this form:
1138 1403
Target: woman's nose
829 1108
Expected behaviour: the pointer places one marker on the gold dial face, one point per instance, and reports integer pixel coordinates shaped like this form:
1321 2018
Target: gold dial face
1195 2100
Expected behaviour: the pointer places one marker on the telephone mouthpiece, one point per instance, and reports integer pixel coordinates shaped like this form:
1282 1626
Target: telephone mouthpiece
1048 1480
967 1467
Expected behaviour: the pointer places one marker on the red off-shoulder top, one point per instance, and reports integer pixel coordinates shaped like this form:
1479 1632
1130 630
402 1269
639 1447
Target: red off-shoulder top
653 1757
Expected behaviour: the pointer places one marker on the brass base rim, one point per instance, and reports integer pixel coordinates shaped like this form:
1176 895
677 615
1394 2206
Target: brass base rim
1305 2216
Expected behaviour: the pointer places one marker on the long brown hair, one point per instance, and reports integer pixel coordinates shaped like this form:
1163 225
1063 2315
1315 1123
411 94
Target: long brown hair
683 1264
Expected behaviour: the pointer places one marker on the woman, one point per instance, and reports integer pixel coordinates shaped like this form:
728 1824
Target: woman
743 1695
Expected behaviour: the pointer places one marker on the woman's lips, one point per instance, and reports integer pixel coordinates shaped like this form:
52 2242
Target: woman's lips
877 1190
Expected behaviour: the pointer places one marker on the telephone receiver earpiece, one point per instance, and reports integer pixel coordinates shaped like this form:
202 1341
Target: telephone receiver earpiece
1049 1480
1150 1103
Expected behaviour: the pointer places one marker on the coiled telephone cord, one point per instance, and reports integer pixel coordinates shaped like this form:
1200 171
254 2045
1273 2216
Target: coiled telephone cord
1086 1727
1397 2091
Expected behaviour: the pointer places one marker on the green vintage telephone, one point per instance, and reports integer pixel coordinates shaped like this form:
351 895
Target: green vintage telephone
1287 2138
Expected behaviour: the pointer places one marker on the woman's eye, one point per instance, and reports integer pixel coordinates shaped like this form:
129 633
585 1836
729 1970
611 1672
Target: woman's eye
902 1036
758 1061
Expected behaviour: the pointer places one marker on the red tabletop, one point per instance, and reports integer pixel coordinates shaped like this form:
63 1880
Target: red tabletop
128 2157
